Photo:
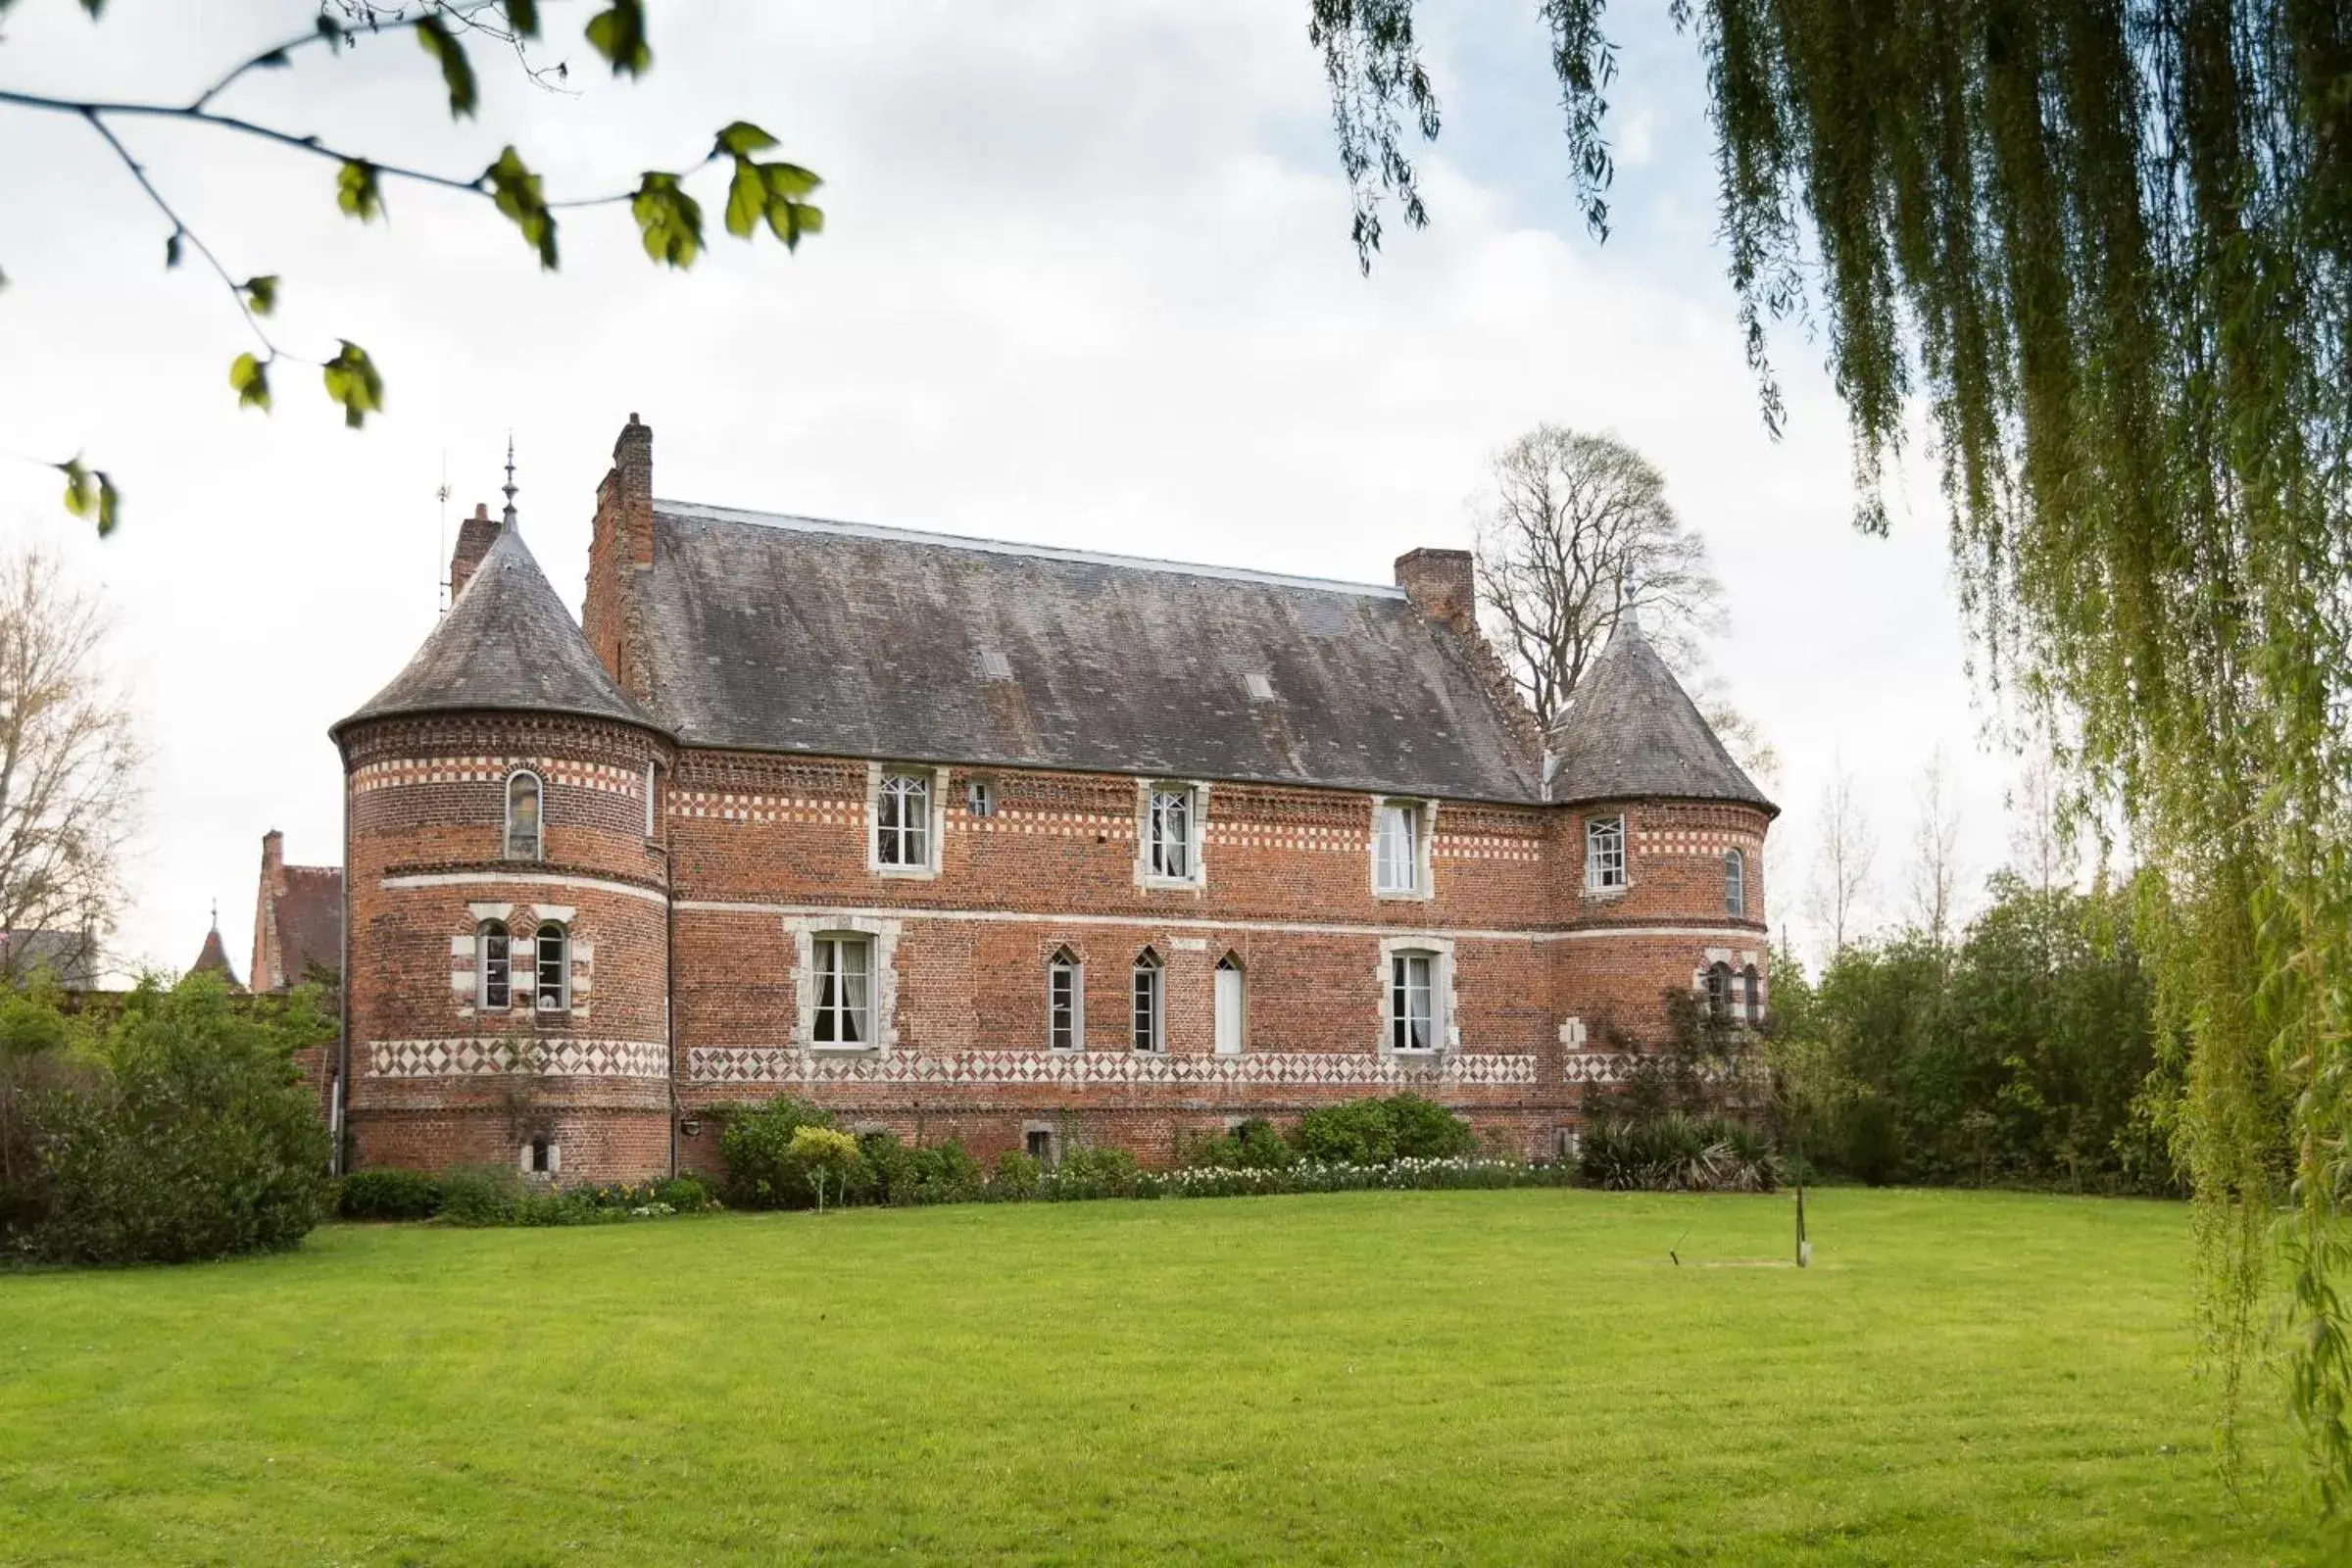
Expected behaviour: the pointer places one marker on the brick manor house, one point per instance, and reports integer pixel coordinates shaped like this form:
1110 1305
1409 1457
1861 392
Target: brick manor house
1025 846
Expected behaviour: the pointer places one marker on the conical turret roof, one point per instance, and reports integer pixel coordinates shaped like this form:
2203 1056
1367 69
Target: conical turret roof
1630 731
507 643
214 955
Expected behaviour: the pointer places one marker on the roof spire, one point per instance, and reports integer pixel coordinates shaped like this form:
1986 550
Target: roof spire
508 487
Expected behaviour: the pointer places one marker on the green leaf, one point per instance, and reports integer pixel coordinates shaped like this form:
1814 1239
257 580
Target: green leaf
352 381
261 294
91 495
332 31
741 139
356 191
515 191
457 72
618 34
523 17
788 180
671 219
747 199
249 378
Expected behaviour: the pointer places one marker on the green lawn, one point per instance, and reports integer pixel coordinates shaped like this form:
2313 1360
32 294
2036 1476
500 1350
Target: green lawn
1477 1377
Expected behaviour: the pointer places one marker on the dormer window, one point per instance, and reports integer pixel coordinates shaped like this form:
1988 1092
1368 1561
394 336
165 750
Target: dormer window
1172 833
1605 853
524 821
903 820
1734 885
1400 849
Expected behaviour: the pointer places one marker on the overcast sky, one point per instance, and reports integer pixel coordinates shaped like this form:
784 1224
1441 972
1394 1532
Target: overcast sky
1085 281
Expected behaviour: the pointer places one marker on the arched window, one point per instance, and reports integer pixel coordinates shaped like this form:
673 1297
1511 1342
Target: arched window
1734 885
524 818
1231 1017
493 968
1755 995
553 957
1719 993
1065 1001
1150 1005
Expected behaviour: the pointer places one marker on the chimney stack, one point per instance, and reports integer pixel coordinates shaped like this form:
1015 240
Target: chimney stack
620 546
1441 584
474 538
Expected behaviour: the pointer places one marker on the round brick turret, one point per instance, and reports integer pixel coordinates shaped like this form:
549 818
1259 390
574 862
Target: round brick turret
508 899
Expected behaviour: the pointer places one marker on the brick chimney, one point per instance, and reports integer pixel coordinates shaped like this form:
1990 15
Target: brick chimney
1441 584
266 960
620 544
475 536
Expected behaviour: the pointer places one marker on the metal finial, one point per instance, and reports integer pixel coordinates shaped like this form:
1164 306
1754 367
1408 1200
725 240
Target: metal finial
508 487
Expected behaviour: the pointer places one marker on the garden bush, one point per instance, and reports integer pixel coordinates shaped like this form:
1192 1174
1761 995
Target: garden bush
388 1195
756 1146
193 1137
1374 1132
1674 1154
1015 1177
1255 1145
939 1173
1091 1173
823 1164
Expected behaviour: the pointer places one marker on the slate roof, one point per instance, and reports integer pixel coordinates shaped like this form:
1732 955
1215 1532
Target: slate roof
1632 731
791 634
507 643
215 957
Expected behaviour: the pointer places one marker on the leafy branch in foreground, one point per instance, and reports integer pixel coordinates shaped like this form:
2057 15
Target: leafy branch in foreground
760 192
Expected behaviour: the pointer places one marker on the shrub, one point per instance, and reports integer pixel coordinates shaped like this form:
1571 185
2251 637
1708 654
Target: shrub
481 1194
942 1173
388 1195
1092 1173
1016 1176
1673 1154
1374 1132
756 1146
822 1164
193 1138
1255 1145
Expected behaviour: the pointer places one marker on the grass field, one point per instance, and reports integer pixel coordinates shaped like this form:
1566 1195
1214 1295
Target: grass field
1473 1377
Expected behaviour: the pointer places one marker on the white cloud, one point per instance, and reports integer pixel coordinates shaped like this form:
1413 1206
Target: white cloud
1086 281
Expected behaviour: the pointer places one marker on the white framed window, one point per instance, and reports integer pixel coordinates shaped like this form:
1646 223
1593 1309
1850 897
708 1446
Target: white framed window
493 968
1734 884
1232 999
552 952
1412 1001
844 1015
1172 833
1719 992
903 821
1400 849
1065 1002
525 815
1605 853
540 1157
1147 1028
980 798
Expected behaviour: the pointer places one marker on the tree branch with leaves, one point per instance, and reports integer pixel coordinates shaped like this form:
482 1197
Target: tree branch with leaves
761 193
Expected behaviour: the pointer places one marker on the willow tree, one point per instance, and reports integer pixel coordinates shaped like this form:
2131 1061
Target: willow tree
2106 246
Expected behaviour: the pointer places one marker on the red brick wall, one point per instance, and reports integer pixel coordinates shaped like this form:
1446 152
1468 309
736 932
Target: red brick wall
768 851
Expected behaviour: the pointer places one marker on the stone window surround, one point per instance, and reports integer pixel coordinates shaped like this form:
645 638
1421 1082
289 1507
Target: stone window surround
882 975
525 919
1425 835
1745 1004
1077 968
1145 876
1444 1025
935 841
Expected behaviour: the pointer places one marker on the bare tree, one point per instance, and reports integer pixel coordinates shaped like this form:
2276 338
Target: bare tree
1573 532
2041 847
69 766
1843 859
1935 871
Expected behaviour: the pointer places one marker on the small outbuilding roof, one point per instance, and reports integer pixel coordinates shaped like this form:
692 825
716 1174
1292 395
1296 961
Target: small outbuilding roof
507 643
1630 731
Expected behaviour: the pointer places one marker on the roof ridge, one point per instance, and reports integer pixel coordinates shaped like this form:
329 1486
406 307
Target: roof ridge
700 510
